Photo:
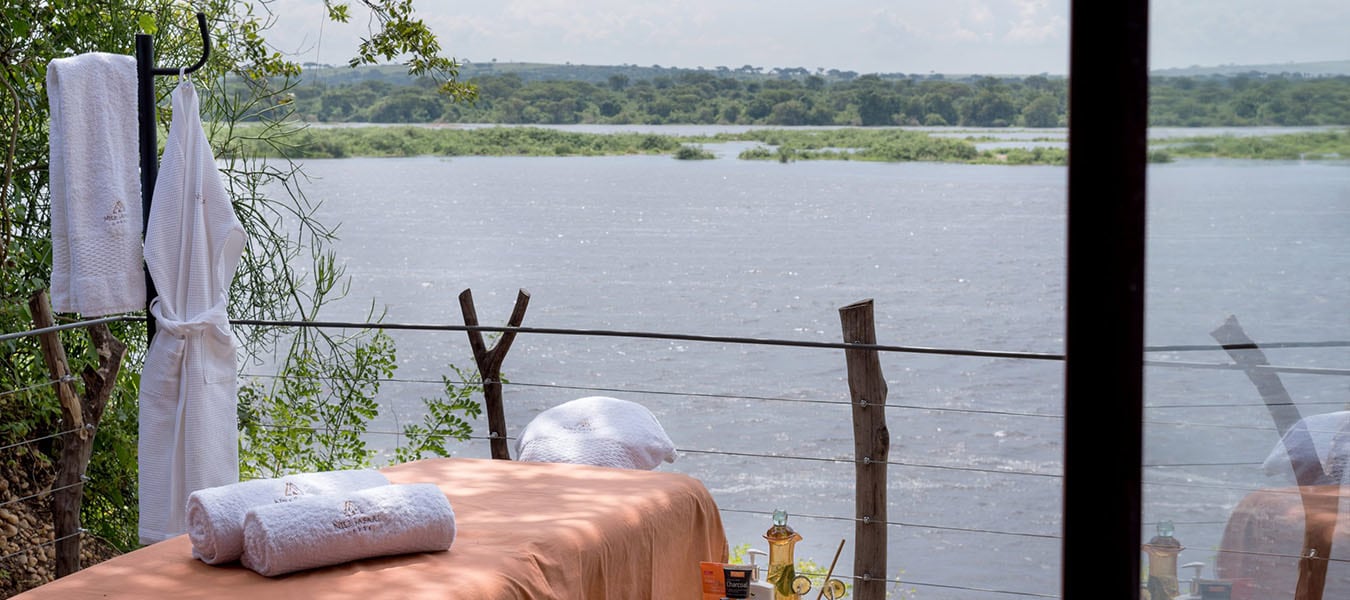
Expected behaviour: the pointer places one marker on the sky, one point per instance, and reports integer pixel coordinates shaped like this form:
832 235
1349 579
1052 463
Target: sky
867 36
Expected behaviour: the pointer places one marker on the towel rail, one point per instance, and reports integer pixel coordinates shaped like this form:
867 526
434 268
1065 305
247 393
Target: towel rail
146 71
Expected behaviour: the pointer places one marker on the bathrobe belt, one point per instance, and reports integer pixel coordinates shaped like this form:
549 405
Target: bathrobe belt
214 321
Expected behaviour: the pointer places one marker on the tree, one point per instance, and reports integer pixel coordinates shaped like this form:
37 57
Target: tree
791 112
876 107
610 108
939 103
1038 82
988 108
1041 112
243 81
399 34
731 113
406 106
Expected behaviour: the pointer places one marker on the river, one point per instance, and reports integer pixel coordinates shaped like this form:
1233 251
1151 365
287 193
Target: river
955 256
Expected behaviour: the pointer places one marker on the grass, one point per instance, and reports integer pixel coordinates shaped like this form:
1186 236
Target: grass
1295 146
383 142
693 153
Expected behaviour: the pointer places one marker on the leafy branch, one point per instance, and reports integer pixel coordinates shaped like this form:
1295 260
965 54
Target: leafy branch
401 34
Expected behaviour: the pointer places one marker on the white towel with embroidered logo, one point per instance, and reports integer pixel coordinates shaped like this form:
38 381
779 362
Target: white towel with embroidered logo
95 185
189 437
330 529
215 515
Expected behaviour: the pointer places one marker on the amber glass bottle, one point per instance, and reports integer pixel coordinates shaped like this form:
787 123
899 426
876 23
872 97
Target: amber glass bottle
782 566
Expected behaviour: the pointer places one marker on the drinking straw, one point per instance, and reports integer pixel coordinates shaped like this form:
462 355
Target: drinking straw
826 582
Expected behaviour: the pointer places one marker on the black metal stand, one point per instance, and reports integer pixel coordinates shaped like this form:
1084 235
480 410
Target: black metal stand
149 144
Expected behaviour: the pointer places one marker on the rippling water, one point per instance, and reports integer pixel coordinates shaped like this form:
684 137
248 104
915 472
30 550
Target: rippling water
954 256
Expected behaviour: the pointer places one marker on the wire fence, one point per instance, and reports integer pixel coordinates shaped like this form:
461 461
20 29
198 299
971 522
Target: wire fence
765 456
46 492
36 386
43 438
43 544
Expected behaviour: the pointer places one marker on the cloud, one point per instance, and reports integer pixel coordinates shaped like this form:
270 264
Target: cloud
970 36
1011 21
846 34
980 13
1037 22
1248 32
948 36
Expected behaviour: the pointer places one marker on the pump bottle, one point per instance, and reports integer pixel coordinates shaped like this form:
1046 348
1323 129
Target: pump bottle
759 589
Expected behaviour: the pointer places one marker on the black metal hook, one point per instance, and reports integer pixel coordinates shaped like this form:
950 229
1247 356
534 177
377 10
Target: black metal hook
146 71
206 51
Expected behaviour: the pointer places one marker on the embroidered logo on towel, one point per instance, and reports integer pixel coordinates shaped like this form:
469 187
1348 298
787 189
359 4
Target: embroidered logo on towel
353 520
117 217
583 425
292 492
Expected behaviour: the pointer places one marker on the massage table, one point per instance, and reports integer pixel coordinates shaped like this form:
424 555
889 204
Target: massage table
524 531
1264 537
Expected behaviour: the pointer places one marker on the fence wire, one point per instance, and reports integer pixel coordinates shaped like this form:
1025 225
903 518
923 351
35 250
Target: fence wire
824 459
977 530
35 440
47 492
37 386
64 326
845 460
918 407
77 533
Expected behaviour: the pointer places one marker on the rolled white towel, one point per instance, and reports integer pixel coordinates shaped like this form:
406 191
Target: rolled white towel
215 516
318 531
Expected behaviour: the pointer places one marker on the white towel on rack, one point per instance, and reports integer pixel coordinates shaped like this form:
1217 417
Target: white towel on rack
317 531
216 515
95 185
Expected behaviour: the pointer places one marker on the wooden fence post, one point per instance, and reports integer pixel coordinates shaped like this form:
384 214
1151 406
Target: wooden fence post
490 367
82 414
871 444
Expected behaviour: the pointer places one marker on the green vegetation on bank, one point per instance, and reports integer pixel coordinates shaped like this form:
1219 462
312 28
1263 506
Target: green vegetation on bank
383 142
693 153
889 145
794 97
1296 146
784 145
882 145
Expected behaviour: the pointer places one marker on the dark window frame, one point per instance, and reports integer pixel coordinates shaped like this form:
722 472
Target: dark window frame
1103 370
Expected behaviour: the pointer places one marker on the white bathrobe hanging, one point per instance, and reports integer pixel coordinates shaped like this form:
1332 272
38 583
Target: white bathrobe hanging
193 243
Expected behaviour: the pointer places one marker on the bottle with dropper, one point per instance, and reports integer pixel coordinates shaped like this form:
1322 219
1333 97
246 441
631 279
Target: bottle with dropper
782 565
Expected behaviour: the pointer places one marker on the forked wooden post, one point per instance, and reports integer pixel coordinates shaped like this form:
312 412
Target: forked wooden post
490 366
872 446
1318 531
82 415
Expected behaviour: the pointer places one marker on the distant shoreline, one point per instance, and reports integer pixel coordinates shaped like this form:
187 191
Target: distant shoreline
543 94
472 68
780 144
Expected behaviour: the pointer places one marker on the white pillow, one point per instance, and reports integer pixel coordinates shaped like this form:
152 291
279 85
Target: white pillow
596 430
1324 439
